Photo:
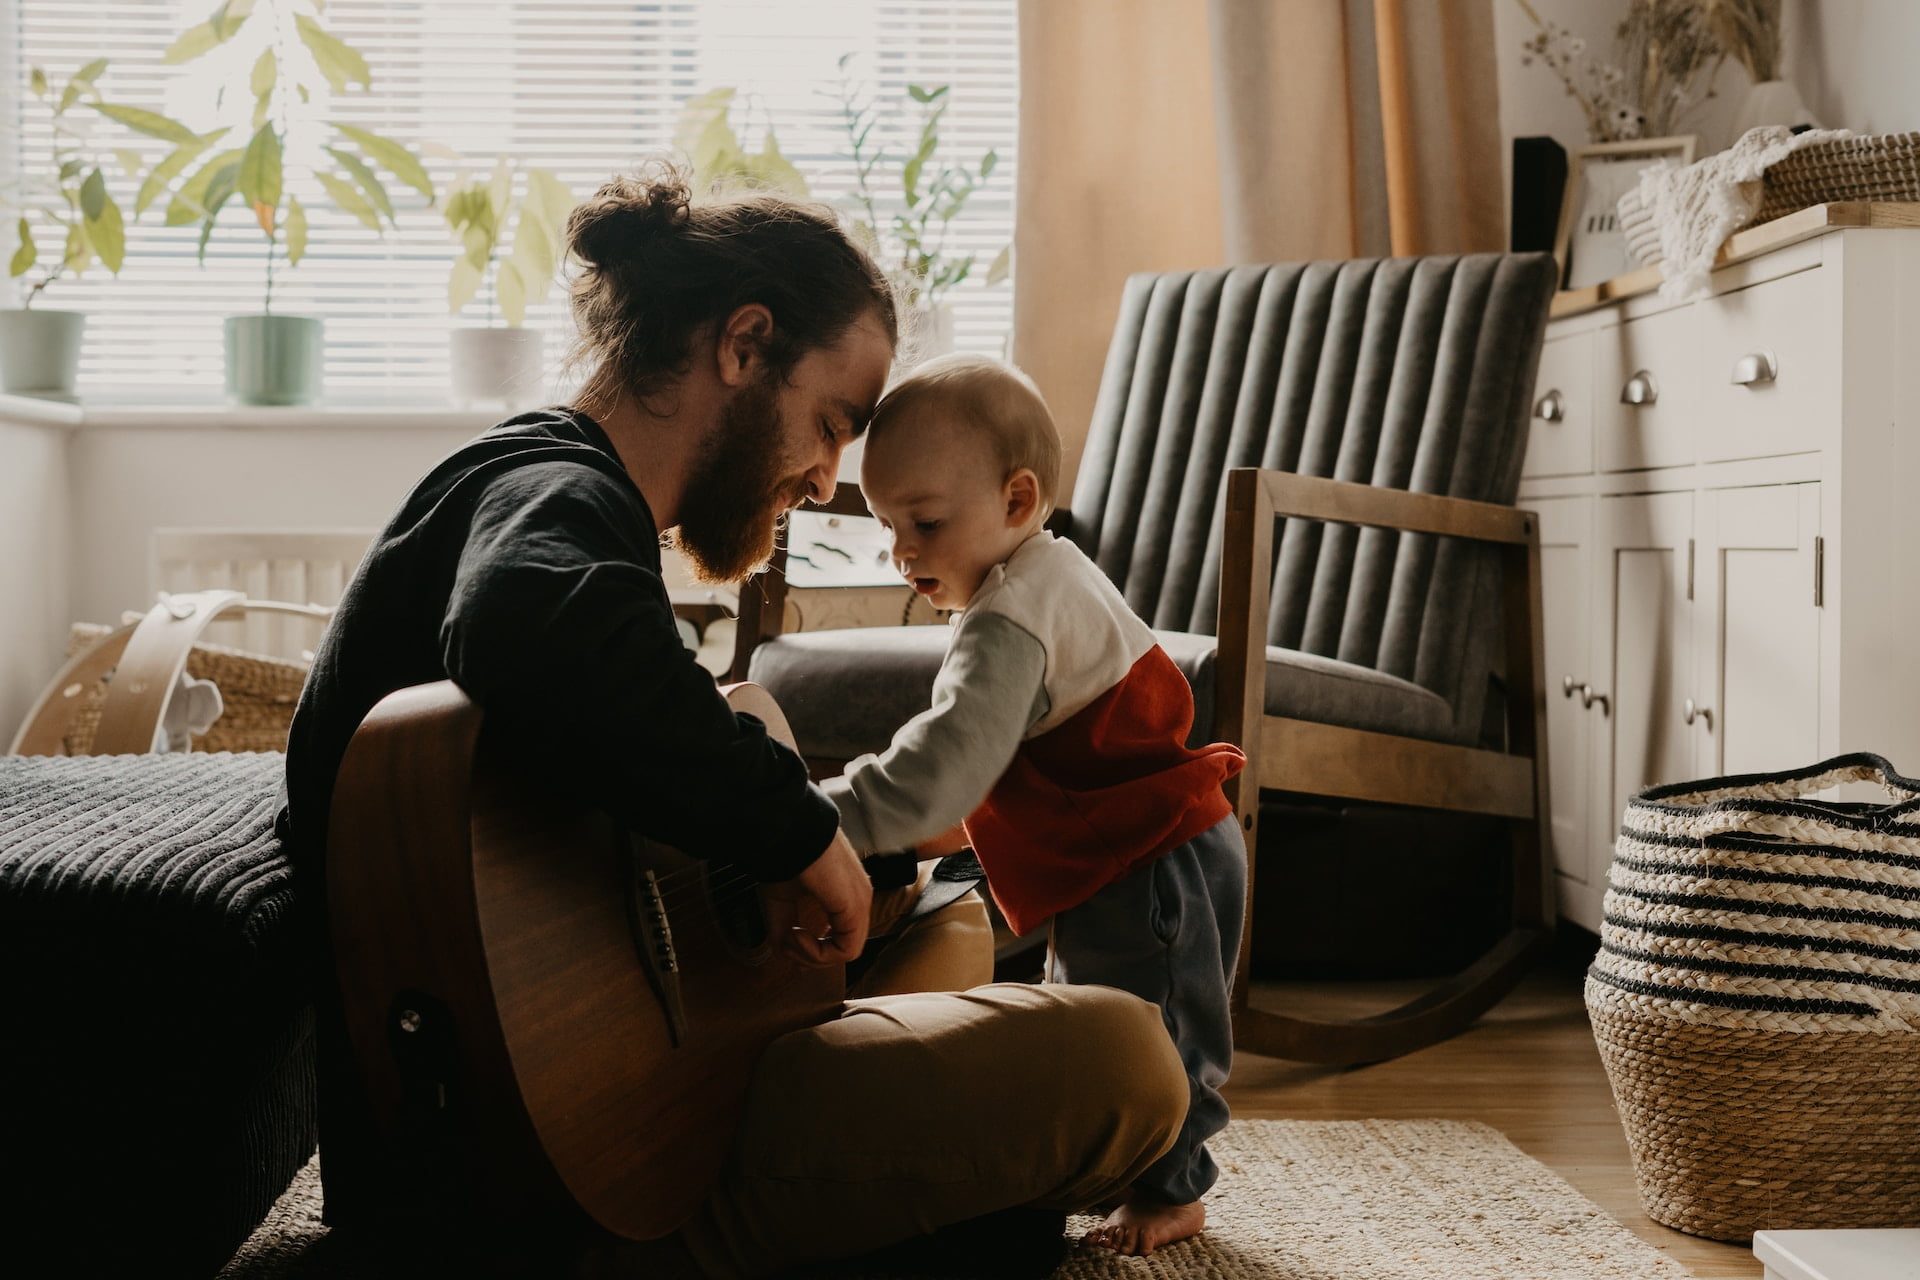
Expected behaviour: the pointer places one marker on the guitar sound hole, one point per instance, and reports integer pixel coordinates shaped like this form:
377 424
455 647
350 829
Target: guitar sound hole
737 913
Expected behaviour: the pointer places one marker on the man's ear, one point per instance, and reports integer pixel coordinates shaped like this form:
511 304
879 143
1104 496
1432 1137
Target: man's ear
1023 497
740 347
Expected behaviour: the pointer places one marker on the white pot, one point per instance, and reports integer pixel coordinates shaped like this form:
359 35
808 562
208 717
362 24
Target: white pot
929 333
275 359
40 351
498 366
1772 102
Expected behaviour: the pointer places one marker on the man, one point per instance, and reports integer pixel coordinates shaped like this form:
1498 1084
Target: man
736 348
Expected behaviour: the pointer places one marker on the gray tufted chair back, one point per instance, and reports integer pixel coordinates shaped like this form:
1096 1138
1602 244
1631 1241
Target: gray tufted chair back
1410 373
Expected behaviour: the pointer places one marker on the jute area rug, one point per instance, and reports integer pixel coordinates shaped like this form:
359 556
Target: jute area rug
1297 1200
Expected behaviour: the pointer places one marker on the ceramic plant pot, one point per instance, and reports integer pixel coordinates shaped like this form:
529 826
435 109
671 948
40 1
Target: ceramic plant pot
274 359
497 366
40 351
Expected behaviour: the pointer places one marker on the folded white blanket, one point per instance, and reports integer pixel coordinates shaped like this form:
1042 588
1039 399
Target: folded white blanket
1696 207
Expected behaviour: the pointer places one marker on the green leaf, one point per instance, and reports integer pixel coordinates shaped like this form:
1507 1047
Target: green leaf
511 291
260 173
231 15
192 43
71 169
391 156
368 180
918 94
348 197
79 251
296 231
37 81
262 111
1002 265
225 184
338 62
462 284
93 195
265 71
170 168
130 160
551 200
108 234
68 96
191 202
151 123
988 163
26 255
910 173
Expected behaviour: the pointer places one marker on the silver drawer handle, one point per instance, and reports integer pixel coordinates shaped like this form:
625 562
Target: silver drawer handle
1551 408
1640 389
1754 367
1690 712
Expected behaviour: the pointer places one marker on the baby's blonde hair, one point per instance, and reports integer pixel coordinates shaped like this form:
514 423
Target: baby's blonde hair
994 398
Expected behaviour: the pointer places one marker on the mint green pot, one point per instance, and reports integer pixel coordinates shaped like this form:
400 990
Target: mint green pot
40 351
274 359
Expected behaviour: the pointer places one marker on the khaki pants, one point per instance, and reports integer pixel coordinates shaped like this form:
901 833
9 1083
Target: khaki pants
922 1107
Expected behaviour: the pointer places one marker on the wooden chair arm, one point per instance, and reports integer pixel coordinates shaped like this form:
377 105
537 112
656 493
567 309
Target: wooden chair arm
763 597
1283 493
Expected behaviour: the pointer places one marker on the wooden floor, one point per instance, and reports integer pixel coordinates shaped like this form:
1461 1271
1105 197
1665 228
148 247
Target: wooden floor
1529 1069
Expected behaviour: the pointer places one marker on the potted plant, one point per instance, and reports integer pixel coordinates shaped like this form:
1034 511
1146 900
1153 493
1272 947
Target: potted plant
274 358
40 347
907 230
493 362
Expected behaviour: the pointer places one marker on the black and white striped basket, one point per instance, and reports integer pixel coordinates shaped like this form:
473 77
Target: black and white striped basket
1756 1000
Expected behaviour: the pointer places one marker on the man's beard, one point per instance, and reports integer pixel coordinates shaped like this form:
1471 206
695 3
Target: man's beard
729 511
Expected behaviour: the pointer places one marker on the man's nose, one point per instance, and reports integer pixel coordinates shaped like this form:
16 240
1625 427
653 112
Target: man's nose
823 478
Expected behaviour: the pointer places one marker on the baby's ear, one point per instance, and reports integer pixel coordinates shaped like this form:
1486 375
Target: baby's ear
1023 496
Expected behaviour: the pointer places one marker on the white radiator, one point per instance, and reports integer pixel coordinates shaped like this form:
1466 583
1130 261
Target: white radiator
301 566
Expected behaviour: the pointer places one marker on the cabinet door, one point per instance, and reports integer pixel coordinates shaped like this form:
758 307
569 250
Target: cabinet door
1566 583
1643 617
1560 434
1756 688
1770 360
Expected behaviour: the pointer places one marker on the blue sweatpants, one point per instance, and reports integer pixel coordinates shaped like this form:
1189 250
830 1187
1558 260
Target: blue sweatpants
1169 932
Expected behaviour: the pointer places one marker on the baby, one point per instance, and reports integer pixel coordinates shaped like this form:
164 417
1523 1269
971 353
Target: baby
1057 733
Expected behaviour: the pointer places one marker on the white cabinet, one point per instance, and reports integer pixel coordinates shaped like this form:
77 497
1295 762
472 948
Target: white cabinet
1707 469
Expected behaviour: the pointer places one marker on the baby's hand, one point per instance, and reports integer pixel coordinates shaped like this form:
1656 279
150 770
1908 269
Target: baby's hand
940 846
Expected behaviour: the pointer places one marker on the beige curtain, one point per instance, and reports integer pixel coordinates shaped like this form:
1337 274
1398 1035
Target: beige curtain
1158 135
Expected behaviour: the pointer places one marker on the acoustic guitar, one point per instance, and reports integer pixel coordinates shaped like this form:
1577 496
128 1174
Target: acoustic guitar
567 1015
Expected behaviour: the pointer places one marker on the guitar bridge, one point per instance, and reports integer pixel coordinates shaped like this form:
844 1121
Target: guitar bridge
653 939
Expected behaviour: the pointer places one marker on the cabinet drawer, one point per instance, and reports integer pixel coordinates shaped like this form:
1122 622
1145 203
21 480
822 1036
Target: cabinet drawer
1769 367
1646 386
1560 433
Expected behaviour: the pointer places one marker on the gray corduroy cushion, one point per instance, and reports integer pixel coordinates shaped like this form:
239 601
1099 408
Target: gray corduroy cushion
847 691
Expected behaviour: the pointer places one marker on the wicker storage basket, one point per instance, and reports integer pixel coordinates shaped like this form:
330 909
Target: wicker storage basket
259 692
1879 166
1756 1001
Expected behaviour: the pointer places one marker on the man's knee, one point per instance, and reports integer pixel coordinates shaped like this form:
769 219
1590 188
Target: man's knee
1125 1049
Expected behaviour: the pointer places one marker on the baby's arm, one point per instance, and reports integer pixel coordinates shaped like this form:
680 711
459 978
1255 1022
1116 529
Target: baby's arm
942 763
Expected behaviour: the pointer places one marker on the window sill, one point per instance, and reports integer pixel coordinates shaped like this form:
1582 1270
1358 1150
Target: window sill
34 411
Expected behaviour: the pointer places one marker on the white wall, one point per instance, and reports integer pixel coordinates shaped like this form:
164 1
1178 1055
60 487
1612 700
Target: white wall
131 480
1853 62
36 565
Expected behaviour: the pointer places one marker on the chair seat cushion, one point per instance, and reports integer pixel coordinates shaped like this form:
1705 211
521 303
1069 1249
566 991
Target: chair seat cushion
846 691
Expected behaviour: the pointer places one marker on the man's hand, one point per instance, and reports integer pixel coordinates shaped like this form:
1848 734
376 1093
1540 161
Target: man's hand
821 914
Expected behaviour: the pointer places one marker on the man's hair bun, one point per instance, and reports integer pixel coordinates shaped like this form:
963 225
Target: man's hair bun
618 222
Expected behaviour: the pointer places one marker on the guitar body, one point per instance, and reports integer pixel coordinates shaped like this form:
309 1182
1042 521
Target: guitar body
572 1015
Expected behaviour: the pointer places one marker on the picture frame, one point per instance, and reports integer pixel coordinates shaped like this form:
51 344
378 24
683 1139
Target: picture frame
1590 245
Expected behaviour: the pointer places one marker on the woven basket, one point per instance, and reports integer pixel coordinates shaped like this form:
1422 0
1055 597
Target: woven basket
1881 166
259 692
1756 1001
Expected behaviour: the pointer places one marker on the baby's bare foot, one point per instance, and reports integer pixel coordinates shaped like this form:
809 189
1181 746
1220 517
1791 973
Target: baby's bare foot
1140 1225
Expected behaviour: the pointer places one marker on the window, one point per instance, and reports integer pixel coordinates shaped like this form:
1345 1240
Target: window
581 87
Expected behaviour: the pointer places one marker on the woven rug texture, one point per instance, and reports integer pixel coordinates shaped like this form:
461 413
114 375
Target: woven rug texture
1297 1200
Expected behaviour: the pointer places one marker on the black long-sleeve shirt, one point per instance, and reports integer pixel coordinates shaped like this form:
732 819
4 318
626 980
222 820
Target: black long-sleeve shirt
526 568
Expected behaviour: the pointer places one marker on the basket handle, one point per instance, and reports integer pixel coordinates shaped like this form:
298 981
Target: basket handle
147 658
